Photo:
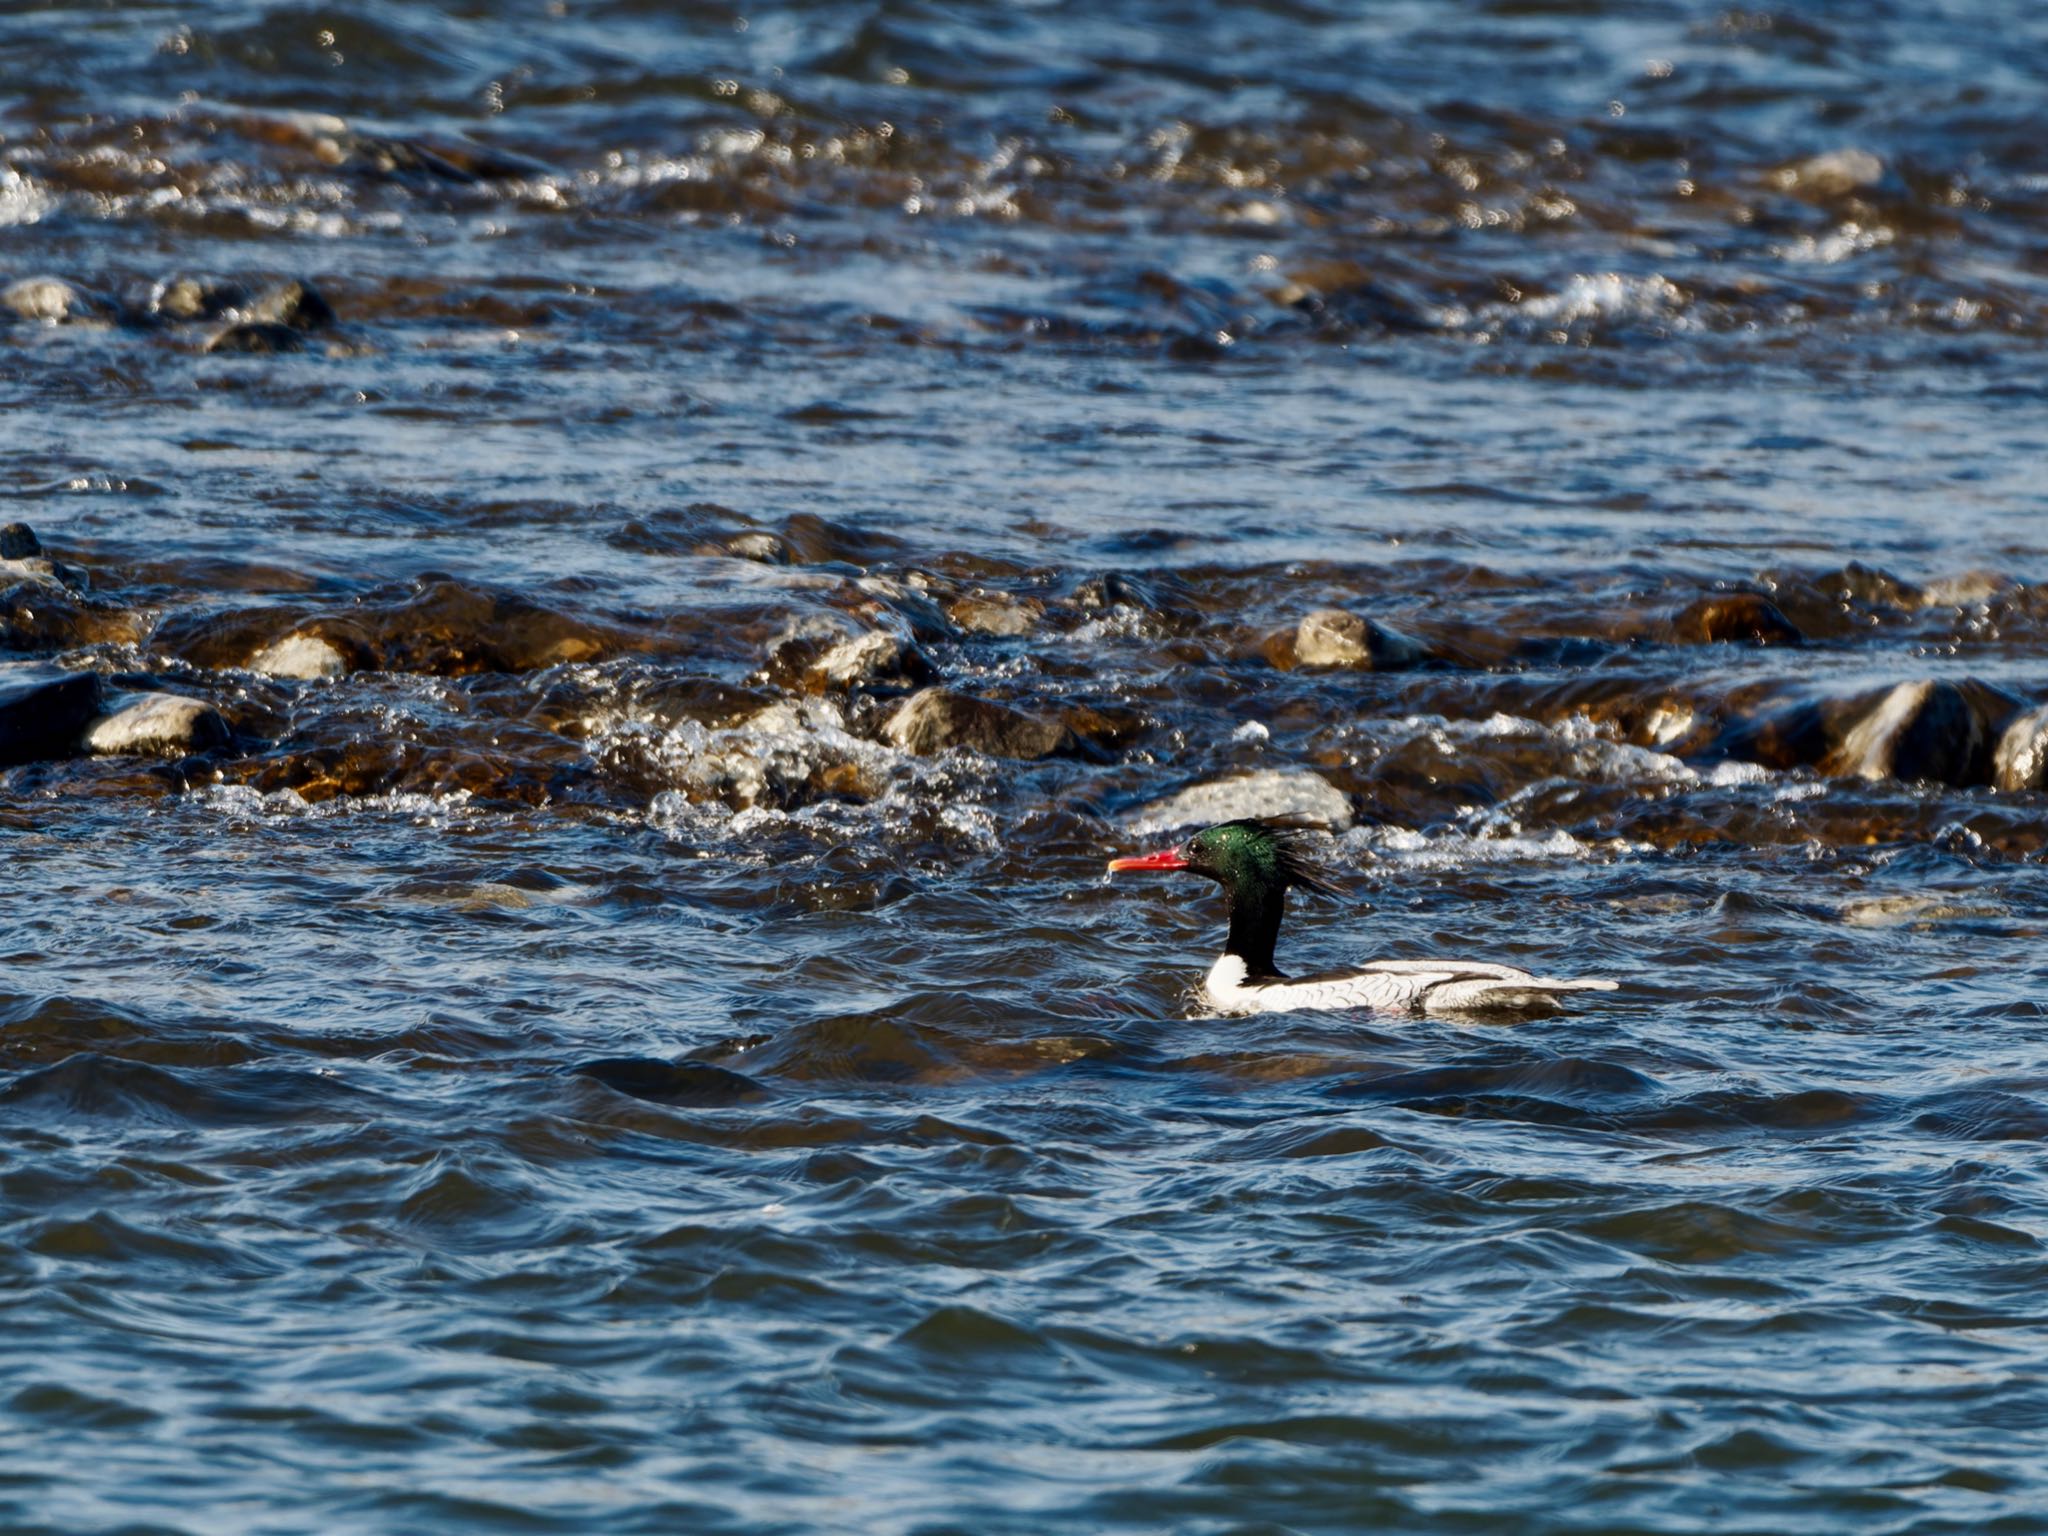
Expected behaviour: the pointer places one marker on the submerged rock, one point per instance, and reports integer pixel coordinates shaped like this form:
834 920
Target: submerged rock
42 719
1270 792
995 614
1745 617
41 615
162 725
763 548
257 339
436 625
1330 637
2021 758
937 719
1834 174
672 1082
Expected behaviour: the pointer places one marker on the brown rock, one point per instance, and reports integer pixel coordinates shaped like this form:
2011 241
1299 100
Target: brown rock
937 719
1744 617
257 339
994 613
1330 637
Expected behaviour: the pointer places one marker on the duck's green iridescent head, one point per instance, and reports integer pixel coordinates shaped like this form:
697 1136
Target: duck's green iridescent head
1243 857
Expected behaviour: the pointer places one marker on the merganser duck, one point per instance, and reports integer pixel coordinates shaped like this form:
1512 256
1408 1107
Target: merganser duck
1256 863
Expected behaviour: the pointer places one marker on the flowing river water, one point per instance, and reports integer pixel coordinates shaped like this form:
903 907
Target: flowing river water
690 532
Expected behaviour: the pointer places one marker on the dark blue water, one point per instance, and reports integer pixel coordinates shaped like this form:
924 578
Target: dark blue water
688 390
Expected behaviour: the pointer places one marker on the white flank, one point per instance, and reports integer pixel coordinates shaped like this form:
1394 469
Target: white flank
1393 986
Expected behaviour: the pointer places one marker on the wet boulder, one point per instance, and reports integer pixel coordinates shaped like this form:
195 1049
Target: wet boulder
294 304
938 719
193 297
453 630
760 547
256 338
46 617
814 540
42 717
302 657
160 725
1330 637
995 614
1287 795
274 640
1929 730
1745 618
22 560
824 654
377 764
2021 758
1157 598
49 299
1969 589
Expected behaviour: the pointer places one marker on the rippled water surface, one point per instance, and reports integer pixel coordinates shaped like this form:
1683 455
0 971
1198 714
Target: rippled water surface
692 532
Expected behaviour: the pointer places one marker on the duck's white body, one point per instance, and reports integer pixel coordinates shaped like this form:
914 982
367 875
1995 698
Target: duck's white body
1391 986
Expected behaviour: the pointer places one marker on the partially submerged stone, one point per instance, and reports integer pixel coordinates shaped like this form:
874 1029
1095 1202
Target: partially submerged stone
995 614
257 338
41 718
48 299
194 297
161 725
937 719
826 653
764 548
1835 173
1746 618
1330 637
22 559
2021 758
695 1083
292 303
1928 729
304 657
1295 795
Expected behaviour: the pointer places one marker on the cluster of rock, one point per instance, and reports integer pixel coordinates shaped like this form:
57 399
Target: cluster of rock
827 704
278 317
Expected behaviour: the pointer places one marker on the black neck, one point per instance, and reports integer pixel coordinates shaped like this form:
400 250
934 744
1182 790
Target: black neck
1254 925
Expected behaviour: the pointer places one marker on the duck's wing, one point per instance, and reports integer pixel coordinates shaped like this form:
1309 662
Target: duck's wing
1426 986
1448 968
